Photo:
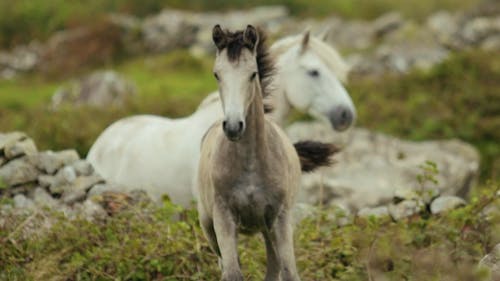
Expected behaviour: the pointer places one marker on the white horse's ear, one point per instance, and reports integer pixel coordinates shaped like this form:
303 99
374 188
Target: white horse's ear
218 37
325 33
251 37
305 40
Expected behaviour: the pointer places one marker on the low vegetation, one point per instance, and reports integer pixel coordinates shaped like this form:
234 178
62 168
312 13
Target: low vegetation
147 243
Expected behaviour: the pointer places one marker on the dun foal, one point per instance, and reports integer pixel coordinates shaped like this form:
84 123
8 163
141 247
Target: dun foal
249 171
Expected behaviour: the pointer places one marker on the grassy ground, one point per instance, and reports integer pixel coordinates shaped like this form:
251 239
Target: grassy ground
147 244
23 20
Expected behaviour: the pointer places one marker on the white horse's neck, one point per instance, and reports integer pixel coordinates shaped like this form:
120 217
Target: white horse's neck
280 104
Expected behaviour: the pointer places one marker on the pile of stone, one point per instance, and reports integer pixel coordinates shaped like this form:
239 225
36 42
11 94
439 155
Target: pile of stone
57 180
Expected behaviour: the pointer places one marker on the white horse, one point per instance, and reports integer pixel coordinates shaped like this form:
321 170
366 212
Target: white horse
161 155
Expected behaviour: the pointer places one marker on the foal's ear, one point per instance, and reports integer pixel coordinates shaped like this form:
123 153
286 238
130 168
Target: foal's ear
305 40
251 37
218 37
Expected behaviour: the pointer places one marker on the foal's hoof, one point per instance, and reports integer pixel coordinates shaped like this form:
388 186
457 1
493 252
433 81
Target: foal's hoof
232 277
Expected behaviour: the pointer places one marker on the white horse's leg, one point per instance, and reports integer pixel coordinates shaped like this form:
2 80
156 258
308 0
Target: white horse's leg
225 231
283 235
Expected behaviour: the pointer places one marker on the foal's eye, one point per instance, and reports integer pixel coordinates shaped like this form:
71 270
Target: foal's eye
216 76
313 73
253 76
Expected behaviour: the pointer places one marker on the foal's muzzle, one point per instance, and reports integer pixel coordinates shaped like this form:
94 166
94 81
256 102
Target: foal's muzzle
341 118
233 129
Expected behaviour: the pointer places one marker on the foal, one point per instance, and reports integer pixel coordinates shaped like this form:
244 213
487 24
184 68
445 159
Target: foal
249 171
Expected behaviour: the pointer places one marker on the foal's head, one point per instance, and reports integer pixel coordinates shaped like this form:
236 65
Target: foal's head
242 69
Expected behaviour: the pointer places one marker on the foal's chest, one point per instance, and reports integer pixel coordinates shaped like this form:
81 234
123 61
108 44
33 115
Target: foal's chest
254 204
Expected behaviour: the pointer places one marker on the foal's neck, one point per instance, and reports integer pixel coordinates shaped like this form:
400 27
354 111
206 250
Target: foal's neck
253 142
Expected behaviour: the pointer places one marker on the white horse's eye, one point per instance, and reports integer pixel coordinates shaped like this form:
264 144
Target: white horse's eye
253 76
216 76
313 73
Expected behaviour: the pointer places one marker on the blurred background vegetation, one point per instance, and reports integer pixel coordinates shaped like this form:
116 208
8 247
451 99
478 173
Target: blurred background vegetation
25 20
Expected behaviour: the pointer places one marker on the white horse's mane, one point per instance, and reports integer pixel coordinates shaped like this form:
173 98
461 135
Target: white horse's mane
326 52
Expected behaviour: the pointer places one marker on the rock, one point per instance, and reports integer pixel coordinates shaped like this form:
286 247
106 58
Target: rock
71 196
387 23
478 29
22 58
425 195
404 209
491 43
446 203
50 162
46 180
92 210
78 189
99 89
18 171
303 210
369 171
131 37
378 212
83 168
357 35
445 27
42 198
63 180
21 202
492 263
100 188
10 138
20 148
169 30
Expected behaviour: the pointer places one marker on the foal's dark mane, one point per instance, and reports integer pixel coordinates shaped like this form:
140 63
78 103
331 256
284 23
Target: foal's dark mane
235 43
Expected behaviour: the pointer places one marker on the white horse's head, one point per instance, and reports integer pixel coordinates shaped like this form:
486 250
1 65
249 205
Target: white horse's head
238 74
311 73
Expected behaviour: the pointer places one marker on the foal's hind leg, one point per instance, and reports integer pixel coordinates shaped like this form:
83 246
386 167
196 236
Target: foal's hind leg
283 235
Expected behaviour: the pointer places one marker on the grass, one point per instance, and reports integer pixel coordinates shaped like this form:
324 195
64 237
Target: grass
146 243
24 20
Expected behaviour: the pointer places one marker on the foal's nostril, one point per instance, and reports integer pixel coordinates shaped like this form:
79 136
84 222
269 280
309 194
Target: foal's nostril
240 126
224 124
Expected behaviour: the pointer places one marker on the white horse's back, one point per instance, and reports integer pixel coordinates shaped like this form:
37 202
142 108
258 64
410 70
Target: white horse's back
153 153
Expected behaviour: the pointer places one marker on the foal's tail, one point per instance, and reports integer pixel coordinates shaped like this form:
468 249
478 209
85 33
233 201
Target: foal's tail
313 154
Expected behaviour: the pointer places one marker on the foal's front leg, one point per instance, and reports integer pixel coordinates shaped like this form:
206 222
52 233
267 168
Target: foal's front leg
225 230
283 235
